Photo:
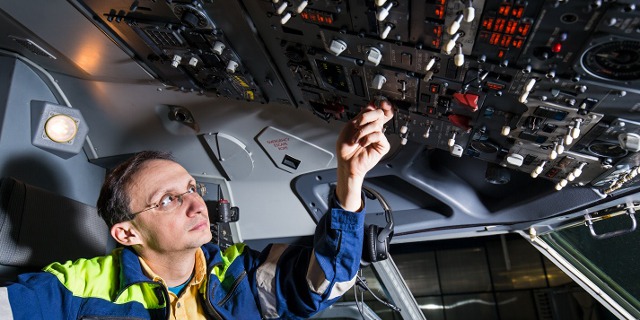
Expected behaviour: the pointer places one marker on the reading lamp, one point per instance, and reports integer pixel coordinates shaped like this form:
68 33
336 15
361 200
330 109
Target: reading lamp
58 129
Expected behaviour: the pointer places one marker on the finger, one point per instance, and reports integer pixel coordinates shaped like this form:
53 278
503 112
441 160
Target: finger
377 140
369 128
368 116
387 108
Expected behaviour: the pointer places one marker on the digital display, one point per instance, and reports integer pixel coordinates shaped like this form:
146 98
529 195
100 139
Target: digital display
333 75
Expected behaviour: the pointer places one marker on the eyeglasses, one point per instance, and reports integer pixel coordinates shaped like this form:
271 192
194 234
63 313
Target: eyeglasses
171 202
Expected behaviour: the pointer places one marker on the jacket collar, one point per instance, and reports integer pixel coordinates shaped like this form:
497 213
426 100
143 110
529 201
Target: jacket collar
131 270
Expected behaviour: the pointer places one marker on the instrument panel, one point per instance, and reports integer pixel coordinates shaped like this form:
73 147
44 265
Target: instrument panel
550 88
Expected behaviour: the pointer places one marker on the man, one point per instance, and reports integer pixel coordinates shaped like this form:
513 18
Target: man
168 269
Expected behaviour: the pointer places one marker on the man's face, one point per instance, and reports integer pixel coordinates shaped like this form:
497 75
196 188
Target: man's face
183 228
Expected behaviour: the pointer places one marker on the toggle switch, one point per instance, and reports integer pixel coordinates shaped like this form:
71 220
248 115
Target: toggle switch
302 6
452 140
538 170
428 76
469 11
385 32
458 59
455 25
430 64
383 12
285 18
452 43
374 56
337 47
380 3
378 81
575 131
282 7
427 133
568 139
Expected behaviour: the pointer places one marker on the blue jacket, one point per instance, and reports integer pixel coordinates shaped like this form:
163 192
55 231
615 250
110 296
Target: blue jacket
281 282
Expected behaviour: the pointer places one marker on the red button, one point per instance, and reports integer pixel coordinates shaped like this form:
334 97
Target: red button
557 47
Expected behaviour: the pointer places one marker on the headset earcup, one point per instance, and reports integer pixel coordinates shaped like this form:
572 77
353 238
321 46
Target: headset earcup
369 250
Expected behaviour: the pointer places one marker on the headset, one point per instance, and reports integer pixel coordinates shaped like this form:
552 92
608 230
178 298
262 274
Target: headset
376 239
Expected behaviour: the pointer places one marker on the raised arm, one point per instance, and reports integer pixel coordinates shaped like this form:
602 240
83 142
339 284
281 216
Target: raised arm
360 147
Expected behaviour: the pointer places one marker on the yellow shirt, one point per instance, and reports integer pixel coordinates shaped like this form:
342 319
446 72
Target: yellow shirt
187 305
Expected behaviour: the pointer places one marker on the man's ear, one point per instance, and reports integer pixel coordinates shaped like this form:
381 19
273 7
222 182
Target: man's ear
125 233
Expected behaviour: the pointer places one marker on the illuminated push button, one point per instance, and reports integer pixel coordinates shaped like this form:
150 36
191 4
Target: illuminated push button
374 56
556 47
61 128
337 46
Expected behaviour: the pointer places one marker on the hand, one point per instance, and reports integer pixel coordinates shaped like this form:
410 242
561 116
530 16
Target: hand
360 147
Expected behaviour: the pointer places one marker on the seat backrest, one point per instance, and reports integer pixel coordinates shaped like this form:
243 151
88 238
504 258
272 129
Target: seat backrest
38 227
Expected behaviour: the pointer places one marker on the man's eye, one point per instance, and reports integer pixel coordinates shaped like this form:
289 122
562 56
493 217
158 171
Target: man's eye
166 200
192 189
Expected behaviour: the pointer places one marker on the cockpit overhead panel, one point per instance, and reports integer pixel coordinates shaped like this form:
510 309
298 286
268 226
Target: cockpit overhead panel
550 88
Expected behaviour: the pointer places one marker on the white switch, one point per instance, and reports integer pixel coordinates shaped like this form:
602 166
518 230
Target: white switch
218 47
302 6
458 59
515 159
231 66
629 141
282 7
378 81
455 25
337 46
175 62
383 12
193 61
430 64
374 56
385 32
505 131
456 150
285 18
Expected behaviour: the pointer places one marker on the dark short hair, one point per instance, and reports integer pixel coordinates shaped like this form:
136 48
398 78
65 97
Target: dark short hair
113 202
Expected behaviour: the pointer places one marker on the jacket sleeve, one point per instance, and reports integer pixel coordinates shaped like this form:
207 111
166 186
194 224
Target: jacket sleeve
296 281
37 296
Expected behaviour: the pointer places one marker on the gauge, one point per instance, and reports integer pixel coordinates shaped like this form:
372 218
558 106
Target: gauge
616 60
607 149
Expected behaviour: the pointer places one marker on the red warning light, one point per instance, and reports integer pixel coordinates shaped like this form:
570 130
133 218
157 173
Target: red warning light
556 47
487 23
